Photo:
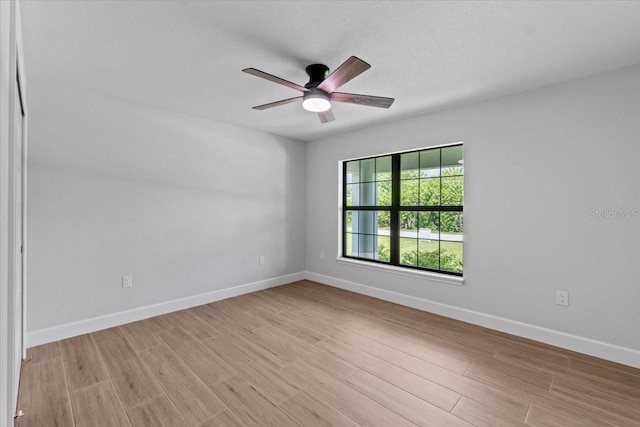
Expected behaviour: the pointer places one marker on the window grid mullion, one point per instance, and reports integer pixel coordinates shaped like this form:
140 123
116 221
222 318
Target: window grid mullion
440 219
394 226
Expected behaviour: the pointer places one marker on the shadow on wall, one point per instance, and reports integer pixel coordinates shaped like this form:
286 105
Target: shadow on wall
183 204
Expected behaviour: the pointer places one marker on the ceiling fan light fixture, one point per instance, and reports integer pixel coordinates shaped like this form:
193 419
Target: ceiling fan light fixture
316 101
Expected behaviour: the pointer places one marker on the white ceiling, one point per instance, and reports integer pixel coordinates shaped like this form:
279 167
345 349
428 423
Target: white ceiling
187 56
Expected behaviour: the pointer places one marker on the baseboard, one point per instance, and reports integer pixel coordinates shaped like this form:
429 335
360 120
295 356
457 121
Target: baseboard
576 343
55 333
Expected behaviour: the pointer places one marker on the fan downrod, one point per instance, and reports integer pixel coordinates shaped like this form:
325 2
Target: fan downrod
317 73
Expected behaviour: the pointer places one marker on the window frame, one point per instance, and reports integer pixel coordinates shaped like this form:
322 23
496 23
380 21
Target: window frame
394 210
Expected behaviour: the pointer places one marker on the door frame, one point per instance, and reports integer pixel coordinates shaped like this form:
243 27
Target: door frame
15 238
23 207
14 331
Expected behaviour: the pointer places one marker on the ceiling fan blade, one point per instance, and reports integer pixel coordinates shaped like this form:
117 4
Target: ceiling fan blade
275 79
277 103
326 116
349 69
370 101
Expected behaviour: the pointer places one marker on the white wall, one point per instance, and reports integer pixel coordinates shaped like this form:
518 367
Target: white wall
183 204
536 163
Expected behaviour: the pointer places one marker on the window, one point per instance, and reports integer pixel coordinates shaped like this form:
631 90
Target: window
405 209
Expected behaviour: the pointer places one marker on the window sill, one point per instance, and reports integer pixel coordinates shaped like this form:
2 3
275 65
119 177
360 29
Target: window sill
427 275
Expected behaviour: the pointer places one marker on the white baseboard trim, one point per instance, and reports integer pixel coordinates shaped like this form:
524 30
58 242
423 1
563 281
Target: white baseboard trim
55 333
612 352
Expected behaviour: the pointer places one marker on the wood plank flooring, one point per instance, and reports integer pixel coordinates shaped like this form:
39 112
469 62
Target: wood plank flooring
310 355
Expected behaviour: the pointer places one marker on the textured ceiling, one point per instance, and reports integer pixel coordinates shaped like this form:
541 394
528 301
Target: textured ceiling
187 56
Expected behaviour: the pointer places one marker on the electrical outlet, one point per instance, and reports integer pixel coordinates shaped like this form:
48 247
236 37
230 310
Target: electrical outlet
562 298
261 260
127 281
322 255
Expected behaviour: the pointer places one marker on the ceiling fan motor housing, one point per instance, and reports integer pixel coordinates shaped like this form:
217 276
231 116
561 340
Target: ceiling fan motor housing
317 73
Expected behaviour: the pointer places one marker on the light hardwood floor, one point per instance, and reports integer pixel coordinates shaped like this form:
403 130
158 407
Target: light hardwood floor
310 355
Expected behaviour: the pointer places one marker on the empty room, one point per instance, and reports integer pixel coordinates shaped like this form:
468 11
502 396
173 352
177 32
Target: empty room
319 213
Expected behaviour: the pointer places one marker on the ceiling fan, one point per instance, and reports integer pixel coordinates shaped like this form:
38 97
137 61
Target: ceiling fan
318 94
